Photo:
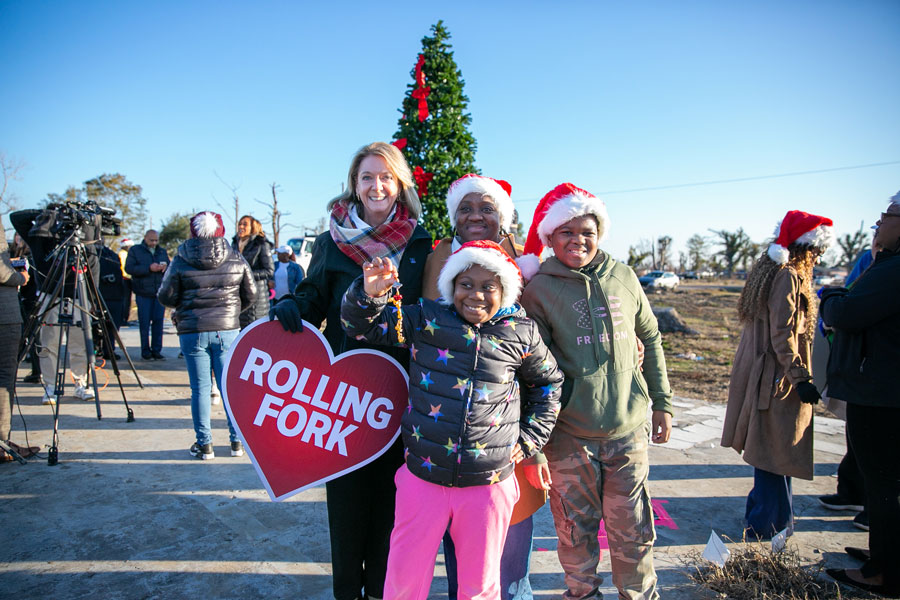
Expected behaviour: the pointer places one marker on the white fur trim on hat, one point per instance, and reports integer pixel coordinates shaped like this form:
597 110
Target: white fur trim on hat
820 237
572 206
529 264
778 253
495 261
478 184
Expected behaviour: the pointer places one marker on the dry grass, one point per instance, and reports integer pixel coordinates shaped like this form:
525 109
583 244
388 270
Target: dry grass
712 312
755 573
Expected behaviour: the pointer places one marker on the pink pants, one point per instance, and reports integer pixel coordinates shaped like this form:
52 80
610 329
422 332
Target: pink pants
479 518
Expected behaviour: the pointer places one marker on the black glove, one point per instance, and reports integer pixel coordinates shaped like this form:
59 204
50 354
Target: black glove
288 314
808 393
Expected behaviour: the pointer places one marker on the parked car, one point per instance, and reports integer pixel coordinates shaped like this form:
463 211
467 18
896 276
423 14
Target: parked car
658 280
302 250
821 280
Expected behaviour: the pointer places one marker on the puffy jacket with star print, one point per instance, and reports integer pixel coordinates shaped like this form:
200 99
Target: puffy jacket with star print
467 409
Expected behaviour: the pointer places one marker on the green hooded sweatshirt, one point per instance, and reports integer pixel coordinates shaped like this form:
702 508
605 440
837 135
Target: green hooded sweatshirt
588 319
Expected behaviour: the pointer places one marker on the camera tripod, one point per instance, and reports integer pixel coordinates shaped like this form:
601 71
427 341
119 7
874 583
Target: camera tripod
69 268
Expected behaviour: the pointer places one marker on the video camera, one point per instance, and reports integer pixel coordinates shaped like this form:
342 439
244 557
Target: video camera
60 220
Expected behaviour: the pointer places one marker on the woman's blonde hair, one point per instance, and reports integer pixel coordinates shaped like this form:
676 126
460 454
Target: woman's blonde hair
755 295
399 168
256 227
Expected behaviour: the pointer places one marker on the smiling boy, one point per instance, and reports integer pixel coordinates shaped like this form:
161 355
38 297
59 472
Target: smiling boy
589 309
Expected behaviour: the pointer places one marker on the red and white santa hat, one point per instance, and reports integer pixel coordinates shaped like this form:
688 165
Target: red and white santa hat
489 255
497 189
800 228
207 224
561 204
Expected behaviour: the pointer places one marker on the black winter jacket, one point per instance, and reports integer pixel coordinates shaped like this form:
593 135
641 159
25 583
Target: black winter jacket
145 282
331 272
112 283
258 254
865 351
208 284
467 407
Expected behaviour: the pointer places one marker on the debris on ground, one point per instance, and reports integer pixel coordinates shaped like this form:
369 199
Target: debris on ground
754 572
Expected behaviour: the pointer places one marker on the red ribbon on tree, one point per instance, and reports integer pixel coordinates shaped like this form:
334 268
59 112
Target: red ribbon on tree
400 144
422 179
420 76
421 92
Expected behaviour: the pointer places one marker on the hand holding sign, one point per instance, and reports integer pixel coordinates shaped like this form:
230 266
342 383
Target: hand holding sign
305 416
288 314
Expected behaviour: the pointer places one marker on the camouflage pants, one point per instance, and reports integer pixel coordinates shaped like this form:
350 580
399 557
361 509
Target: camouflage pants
594 480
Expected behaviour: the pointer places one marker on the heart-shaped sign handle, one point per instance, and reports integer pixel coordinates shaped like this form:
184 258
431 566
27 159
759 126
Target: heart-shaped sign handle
304 415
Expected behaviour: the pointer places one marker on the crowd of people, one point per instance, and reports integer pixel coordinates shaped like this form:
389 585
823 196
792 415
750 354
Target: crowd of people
544 360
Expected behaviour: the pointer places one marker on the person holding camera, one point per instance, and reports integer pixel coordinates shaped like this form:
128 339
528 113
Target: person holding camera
146 263
44 230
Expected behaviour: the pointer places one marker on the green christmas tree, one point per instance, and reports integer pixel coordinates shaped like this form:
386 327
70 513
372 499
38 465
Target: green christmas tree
434 122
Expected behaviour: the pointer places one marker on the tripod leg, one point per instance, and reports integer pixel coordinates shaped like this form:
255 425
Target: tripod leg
98 306
12 452
64 319
86 317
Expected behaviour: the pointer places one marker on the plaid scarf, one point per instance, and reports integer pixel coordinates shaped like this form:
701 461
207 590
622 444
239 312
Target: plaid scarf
387 240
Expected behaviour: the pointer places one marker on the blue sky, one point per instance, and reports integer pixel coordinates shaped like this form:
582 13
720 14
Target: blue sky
611 96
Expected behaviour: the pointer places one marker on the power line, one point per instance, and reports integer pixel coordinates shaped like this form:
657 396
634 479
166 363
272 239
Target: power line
739 179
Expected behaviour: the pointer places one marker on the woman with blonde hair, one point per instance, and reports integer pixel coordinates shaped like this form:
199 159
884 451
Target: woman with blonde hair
375 217
771 394
251 243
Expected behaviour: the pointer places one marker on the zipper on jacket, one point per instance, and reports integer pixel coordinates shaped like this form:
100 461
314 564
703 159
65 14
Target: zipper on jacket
462 425
587 289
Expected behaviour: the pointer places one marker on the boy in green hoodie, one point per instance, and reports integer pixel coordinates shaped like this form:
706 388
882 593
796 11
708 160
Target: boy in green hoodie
589 309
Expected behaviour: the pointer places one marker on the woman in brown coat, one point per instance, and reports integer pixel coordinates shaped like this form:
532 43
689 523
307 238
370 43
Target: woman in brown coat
770 397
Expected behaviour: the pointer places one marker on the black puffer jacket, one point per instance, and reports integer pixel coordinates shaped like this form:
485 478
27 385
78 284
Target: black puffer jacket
145 282
865 353
208 284
331 272
112 284
258 254
467 408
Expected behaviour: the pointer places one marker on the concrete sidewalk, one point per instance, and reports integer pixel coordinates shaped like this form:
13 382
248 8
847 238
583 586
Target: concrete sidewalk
128 513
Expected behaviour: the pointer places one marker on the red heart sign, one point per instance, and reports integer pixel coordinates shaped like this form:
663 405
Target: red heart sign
305 416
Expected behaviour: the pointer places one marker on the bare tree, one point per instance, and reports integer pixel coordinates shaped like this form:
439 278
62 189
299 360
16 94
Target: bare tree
662 252
751 252
639 254
697 251
734 246
853 245
10 170
277 225
234 197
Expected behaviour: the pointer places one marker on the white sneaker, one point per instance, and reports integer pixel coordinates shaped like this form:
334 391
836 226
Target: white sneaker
48 399
84 393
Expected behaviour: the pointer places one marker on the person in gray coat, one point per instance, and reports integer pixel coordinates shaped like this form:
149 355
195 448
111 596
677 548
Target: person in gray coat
10 333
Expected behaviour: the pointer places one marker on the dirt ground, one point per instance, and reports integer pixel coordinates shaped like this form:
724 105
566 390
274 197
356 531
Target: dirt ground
700 364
